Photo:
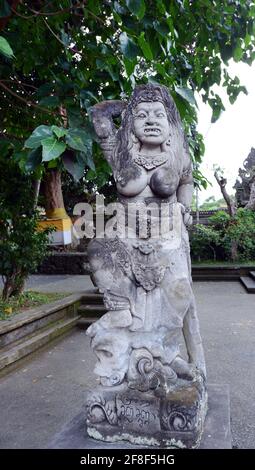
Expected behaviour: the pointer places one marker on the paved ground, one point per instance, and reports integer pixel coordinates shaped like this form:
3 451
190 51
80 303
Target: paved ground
49 389
58 283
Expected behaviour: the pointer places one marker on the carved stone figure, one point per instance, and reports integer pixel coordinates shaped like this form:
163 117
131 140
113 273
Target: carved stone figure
152 390
245 183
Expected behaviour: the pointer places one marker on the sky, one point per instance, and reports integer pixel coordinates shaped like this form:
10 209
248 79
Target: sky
229 140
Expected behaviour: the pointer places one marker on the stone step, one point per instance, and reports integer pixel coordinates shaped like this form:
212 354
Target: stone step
92 298
214 277
248 283
25 346
252 274
90 309
85 322
30 321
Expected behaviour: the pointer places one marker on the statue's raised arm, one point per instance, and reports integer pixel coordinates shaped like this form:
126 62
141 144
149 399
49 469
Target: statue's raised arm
103 115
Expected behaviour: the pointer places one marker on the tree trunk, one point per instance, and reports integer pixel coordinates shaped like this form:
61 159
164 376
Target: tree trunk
231 210
234 250
37 185
13 285
54 203
222 183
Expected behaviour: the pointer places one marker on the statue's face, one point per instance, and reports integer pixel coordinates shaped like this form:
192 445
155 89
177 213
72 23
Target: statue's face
151 125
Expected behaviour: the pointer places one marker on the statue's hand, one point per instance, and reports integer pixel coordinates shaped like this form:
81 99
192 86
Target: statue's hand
116 302
111 108
187 217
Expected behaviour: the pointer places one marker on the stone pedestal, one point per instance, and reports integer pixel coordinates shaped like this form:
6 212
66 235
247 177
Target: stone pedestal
216 434
170 419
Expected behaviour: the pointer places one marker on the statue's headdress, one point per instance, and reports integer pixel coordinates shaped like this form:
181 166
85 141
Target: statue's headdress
150 93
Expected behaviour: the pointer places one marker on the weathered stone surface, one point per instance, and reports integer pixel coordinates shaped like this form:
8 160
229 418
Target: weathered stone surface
173 419
143 268
216 435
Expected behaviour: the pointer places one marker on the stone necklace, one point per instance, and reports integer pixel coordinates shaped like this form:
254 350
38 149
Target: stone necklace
150 162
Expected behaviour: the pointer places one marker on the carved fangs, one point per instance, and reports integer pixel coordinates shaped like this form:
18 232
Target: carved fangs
154 130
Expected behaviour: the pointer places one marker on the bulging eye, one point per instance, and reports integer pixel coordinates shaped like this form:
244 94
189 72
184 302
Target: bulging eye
141 115
160 115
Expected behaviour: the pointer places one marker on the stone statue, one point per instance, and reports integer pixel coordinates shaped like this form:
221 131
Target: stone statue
245 183
151 390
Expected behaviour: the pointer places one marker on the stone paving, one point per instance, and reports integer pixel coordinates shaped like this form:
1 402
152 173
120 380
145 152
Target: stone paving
49 389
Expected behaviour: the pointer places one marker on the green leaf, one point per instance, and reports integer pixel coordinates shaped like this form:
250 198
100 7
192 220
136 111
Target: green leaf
75 118
73 166
238 53
5 48
49 101
79 139
144 45
59 131
161 70
39 134
33 160
161 28
87 158
161 7
5 9
129 66
128 47
137 7
187 94
52 148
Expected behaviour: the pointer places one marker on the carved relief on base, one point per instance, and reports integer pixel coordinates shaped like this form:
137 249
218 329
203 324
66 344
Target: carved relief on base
174 419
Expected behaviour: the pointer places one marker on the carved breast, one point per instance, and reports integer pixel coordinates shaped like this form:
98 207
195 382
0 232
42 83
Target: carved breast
159 175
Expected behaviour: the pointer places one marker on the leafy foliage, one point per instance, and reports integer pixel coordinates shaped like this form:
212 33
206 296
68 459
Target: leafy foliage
216 240
85 51
22 247
203 242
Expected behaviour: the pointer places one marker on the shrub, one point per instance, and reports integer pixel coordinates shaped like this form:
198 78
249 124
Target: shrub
203 242
22 247
225 236
241 230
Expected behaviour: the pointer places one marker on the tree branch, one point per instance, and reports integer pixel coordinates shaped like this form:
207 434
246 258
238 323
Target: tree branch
72 49
54 13
28 103
222 183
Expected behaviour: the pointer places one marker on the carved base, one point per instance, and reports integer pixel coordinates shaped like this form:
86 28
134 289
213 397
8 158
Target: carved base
174 420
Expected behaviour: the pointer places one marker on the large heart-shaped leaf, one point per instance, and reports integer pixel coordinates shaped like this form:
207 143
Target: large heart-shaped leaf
34 159
39 134
59 131
75 166
88 160
128 47
187 94
137 7
5 48
52 148
79 139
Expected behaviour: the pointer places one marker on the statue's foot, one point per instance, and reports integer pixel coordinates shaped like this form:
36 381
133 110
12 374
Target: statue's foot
183 369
